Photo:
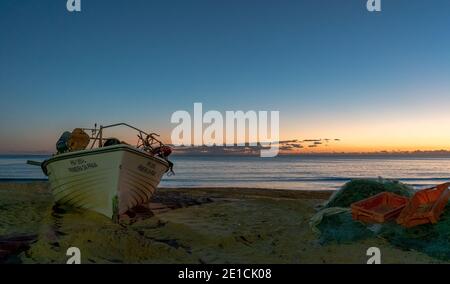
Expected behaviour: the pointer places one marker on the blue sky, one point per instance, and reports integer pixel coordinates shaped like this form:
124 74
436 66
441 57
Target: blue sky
330 67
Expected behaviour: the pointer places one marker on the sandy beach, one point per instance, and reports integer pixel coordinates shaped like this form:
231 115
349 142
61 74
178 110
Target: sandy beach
183 225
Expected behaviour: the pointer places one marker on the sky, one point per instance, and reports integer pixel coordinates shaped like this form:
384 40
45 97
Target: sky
376 81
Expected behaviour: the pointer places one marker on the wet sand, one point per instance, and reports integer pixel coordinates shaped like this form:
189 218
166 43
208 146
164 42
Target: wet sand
183 225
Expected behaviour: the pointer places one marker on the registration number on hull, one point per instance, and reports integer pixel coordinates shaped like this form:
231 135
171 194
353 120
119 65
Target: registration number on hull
80 165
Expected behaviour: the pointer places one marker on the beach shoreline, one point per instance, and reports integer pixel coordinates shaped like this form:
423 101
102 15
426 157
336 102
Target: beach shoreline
187 225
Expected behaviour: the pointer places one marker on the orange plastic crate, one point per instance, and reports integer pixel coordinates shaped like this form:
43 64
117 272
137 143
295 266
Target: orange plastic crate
426 206
379 208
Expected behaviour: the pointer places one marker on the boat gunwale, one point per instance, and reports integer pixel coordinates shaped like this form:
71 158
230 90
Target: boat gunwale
89 152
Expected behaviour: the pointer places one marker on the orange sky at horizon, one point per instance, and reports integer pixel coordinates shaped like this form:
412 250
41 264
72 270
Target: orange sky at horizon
424 130
353 140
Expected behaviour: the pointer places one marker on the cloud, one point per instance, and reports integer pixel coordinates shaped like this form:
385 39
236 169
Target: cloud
286 146
312 140
289 141
298 146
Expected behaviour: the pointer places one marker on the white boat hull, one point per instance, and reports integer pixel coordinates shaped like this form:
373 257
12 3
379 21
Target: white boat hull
109 180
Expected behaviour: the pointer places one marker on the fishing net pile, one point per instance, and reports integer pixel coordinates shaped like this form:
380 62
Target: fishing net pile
334 223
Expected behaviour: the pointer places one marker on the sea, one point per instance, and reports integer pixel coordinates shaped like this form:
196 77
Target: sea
283 172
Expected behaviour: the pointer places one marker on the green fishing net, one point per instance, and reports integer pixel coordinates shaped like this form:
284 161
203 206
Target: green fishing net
357 190
341 228
431 239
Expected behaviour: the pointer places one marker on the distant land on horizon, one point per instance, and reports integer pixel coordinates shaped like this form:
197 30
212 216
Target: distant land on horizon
255 151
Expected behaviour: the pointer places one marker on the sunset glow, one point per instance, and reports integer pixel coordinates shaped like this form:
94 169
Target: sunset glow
377 83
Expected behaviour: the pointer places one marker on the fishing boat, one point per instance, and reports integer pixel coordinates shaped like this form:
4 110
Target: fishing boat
109 177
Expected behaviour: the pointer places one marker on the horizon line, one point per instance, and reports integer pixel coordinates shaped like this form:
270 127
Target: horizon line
299 153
